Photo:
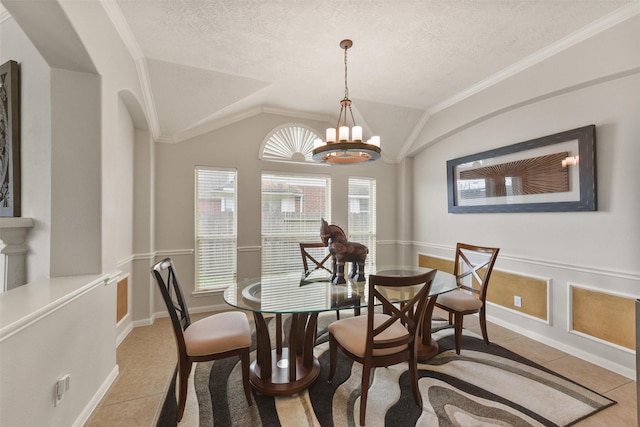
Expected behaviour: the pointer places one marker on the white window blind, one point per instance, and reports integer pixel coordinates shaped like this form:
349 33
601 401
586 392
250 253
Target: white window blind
215 228
292 206
362 216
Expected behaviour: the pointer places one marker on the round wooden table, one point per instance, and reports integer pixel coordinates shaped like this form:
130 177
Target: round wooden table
285 370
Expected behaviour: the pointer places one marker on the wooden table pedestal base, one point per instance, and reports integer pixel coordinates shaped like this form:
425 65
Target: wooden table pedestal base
284 371
279 383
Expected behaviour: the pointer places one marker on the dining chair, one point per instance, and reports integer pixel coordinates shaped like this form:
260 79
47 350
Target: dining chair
217 336
339 294
307 257
384 337
472 267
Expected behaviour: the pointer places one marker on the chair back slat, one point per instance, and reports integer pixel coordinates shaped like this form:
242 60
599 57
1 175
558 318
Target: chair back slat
308 256
165 274
409 312
474 264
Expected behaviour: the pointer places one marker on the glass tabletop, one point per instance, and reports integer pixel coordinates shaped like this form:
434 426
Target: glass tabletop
294 292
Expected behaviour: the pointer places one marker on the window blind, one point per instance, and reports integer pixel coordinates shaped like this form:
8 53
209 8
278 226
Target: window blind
215 228
292 206
362 216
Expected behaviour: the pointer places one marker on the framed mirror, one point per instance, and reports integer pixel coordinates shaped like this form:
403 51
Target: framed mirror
554 173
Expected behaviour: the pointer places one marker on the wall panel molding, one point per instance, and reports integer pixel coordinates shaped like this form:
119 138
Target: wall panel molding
620 274
504 285
602 315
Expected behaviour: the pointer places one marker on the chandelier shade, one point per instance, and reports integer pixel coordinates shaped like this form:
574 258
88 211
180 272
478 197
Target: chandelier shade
343 144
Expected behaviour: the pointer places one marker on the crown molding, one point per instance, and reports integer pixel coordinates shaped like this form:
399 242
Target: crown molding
209 126
579 36
4 15
414 135
122 28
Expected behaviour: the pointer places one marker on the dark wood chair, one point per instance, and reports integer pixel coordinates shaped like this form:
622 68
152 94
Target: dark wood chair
472 268
387 338
311 257
214 337
339 295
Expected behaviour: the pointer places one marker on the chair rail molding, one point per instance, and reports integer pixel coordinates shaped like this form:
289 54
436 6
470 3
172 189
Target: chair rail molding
13 233
602 271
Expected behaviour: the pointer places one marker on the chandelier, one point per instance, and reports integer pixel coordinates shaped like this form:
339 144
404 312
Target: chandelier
338 149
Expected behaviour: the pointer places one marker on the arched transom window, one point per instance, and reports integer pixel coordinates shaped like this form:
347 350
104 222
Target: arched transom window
291 142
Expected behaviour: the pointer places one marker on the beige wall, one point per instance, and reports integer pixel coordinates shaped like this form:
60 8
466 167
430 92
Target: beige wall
74 134
34 145
590 249
237 146
74 191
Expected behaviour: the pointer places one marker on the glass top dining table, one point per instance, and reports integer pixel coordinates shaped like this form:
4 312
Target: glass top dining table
290 293
286 370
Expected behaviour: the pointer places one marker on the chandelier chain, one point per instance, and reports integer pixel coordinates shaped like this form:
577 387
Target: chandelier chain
346 102
346 88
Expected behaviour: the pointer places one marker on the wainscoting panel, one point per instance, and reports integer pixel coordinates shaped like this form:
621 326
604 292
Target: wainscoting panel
603 315
504 286
122 298
532 291
437 263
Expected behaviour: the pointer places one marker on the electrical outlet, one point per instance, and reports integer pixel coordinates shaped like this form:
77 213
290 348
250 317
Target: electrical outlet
62 386
517 301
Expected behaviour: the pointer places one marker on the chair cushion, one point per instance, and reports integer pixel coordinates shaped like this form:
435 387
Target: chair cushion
459 301
218 333
351 333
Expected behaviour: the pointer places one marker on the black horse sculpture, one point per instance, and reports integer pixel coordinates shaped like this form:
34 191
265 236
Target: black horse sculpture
343 251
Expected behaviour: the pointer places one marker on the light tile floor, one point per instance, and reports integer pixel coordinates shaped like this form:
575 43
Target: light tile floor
147 358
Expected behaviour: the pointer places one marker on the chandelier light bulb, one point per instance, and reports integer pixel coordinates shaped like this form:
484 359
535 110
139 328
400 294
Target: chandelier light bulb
343 133
356 134
331 135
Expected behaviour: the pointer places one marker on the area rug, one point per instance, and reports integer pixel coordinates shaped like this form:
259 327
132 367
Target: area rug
483 386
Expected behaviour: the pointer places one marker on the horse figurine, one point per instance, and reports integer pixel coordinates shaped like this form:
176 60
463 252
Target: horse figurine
343 251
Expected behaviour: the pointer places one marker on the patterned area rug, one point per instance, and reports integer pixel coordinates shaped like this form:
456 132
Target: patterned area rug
484 386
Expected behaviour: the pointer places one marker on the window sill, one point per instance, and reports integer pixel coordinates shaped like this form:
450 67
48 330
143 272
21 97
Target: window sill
208 292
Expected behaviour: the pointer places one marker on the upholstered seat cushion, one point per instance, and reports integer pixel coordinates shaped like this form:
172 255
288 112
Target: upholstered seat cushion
459 301
351 333
218 333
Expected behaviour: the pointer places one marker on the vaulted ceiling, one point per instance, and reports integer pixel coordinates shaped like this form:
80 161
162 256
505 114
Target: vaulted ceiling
208 63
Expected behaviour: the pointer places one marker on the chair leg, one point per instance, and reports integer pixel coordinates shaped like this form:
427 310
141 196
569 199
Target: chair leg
450 318
184 369
483 325
333 357
366 376
244 359
413 377
458 331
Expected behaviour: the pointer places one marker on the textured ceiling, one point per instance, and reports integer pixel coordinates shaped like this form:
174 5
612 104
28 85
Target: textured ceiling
208 61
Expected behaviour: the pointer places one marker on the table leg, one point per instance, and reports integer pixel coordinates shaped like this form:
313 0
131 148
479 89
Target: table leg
279 333
427 346
289 370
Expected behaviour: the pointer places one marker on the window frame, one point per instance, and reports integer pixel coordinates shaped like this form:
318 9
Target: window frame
371 235
223 278
286 241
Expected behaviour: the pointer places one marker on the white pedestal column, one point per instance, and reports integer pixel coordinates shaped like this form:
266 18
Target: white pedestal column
13 232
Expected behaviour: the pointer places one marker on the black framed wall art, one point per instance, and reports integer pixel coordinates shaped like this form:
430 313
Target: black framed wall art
9 140
553 173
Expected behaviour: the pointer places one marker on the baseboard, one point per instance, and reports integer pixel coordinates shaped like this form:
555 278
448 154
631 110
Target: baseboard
97 397
573 351
124 333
